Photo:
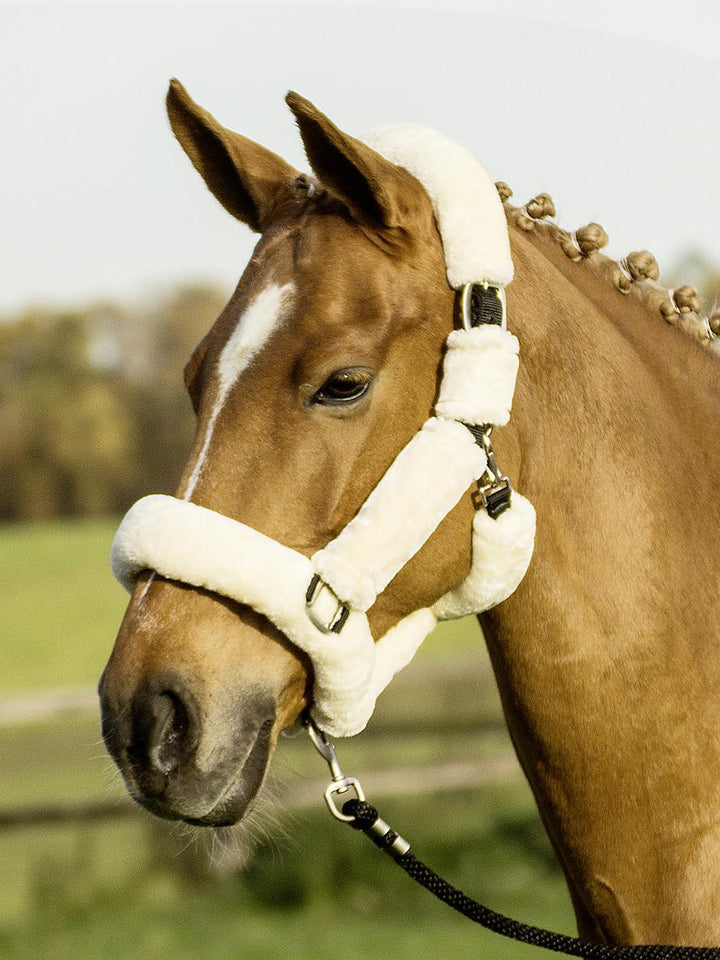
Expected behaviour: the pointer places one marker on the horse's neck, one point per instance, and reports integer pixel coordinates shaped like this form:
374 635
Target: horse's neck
611 401
613 438
615 628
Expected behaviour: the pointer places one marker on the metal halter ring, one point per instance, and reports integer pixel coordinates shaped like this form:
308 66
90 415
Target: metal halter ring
342 611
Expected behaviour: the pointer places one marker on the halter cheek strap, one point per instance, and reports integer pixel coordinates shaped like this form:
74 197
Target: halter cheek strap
320 603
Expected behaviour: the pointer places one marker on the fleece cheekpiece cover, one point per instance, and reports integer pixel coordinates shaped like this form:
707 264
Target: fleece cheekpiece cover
186 542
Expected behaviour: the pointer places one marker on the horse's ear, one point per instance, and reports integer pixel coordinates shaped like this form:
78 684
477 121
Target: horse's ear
374 189
246 178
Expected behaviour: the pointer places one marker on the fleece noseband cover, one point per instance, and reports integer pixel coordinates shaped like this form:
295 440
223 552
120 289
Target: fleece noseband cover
192 544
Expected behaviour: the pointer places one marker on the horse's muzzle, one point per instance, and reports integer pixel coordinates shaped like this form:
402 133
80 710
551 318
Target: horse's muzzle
165 748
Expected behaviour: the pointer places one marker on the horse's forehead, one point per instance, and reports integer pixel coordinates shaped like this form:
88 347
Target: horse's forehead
334 269
340 274
318 276
334 248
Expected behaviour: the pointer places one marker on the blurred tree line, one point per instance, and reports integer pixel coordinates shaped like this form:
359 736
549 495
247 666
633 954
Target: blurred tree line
93 411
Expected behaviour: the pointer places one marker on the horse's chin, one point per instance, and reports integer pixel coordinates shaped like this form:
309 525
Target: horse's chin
234 803
226 812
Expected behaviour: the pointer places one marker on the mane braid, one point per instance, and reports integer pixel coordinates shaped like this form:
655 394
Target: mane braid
636 275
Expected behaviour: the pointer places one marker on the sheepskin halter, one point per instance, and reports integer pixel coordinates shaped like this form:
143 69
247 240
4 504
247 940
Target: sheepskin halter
320 603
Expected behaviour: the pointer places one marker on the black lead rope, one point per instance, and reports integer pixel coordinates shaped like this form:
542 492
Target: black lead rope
365 818
361 815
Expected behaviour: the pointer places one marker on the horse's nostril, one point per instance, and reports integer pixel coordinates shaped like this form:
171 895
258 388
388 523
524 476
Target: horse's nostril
165 728
171 729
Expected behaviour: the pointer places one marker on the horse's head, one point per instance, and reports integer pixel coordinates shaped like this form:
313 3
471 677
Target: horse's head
322 366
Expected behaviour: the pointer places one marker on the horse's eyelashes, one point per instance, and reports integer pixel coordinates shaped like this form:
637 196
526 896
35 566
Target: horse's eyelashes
344 387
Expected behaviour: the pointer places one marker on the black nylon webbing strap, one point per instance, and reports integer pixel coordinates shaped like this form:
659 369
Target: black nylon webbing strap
485 305
366 817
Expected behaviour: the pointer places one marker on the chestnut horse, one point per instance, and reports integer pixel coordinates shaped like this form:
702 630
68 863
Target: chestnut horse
608 654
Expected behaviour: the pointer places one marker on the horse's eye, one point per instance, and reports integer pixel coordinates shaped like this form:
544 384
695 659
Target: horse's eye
344 386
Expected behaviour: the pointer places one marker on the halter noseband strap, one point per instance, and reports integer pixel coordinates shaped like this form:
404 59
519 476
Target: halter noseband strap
320 603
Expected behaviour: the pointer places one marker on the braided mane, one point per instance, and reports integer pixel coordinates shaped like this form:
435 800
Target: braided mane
635 275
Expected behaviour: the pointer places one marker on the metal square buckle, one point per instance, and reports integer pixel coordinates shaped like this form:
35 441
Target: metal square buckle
339 617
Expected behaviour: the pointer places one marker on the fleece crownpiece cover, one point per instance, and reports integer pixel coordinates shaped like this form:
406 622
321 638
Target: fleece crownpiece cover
468 211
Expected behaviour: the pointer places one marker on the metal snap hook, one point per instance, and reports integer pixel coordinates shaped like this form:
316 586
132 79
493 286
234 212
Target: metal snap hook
340 784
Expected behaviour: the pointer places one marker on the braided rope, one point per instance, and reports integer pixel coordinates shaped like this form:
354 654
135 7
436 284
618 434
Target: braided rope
365 818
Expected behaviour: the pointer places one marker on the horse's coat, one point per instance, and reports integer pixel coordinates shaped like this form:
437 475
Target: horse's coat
607 654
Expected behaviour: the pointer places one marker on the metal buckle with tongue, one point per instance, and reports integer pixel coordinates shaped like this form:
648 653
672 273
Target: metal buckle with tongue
496 493
336 622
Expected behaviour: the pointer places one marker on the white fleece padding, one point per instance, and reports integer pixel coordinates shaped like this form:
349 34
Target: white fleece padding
399 645
468 211
187 542
479 372
501 553
421 486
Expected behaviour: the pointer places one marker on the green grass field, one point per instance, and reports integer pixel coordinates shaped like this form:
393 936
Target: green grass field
134 888
59 607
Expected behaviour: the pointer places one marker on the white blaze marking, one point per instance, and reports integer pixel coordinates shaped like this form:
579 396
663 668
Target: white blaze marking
247 339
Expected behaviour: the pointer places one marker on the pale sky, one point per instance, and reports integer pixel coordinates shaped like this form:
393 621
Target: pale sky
610 107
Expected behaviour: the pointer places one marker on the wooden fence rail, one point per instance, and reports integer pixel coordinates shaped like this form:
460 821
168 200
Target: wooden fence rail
39 705
437 698
377 784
